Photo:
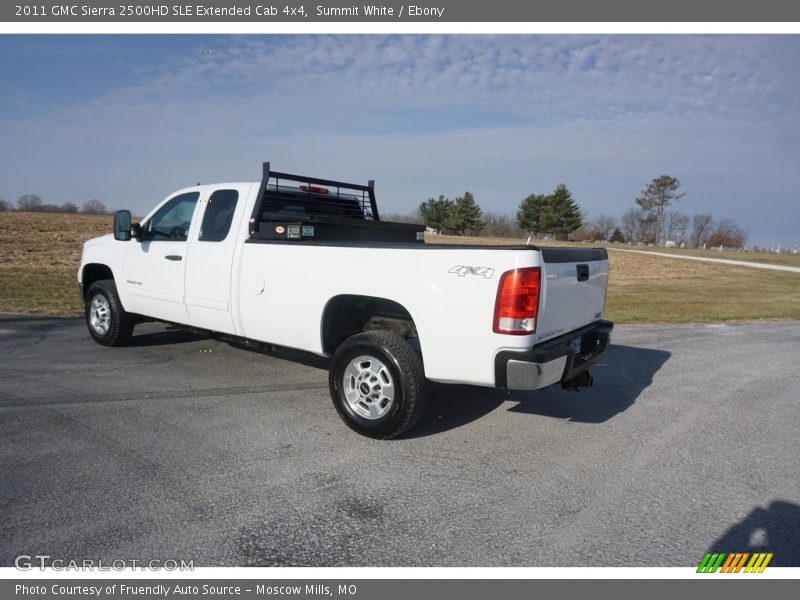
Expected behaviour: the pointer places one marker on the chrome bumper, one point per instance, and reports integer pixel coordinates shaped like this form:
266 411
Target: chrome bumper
554 361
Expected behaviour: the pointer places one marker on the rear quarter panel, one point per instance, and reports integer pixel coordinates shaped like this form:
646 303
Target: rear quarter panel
284 289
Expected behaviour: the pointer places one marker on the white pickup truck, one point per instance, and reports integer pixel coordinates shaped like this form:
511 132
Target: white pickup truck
306 263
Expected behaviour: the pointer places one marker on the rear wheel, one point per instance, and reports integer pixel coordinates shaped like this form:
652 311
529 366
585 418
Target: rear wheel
378 384
107 321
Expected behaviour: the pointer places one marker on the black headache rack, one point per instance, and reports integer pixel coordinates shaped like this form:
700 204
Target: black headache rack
299 208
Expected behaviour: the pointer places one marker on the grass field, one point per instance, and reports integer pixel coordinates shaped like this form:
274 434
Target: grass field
790 260
40 252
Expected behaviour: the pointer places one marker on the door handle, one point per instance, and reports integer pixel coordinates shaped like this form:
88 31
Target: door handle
173 257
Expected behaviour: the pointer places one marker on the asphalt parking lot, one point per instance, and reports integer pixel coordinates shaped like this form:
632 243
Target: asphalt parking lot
182 447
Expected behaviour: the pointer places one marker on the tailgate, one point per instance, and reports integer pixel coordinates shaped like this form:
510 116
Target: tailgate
573 290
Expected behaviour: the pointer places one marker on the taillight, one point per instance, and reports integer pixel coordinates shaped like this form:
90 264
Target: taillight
517 302
314 189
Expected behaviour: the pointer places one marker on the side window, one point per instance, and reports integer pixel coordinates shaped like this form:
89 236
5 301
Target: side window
171 221
218 216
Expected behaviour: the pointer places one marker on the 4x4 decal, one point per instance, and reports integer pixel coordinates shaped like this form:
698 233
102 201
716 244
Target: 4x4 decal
464 270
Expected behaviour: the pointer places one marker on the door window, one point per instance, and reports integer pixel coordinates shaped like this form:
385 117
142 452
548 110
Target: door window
171 222
218 216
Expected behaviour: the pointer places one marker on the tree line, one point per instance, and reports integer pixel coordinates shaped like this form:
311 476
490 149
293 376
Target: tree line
651 220
556 213
34 203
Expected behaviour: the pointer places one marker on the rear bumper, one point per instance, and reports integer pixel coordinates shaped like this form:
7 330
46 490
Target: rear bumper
554 360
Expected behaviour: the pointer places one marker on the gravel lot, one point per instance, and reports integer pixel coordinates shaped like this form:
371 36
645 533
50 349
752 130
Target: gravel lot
185 447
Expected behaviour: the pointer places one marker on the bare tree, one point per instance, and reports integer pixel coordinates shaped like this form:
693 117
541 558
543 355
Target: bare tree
605 224
4 205
411 217
94 207
28 202
701 228
727 234
639 226
500 225
68 207
630 224
675 226
586 233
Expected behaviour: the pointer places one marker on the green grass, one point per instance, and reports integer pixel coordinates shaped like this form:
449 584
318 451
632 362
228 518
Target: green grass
39 293
754 295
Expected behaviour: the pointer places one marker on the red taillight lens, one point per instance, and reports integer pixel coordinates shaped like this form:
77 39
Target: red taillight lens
314 189
517 302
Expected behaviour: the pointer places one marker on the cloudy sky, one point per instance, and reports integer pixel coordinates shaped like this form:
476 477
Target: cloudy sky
127 119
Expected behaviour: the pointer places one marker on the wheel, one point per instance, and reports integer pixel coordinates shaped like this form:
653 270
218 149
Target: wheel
108 322
377 384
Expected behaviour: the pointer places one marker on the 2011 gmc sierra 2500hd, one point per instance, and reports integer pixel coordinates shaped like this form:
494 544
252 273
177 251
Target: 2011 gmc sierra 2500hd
306 263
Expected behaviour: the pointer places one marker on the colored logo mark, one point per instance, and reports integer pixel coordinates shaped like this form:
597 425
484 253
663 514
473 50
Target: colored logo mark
734 562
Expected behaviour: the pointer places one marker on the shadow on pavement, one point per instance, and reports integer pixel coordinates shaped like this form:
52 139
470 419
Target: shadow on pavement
452 406
619 379
169 335
296 356
773 529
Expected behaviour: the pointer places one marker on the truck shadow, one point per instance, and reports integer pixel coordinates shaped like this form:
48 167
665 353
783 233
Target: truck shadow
169 335
619 379
773 529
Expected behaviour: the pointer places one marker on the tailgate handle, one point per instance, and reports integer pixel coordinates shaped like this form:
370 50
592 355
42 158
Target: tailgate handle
173 257
583 272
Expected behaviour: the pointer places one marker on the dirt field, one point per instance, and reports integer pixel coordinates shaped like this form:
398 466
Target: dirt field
39 256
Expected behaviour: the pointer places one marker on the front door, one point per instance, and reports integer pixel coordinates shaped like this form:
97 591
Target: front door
155 267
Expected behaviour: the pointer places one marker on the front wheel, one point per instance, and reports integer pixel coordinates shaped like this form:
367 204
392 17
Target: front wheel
107 321
378 384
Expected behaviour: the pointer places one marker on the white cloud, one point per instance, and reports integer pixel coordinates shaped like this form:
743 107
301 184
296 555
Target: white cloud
502 116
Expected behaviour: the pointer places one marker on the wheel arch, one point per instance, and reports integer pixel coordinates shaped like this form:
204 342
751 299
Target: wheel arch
347 314
94 272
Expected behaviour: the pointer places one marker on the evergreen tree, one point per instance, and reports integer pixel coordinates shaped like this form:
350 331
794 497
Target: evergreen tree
561 214
529 214
465 215
617 237
435 213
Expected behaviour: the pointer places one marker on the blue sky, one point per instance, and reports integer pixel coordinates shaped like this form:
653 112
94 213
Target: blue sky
127 119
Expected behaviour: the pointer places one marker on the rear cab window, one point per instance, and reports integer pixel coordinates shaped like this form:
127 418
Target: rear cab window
218 216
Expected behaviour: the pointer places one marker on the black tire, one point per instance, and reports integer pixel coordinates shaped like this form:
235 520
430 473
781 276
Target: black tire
113 329
403 369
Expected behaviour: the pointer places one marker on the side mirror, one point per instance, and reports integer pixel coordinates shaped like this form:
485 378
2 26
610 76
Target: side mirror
122 225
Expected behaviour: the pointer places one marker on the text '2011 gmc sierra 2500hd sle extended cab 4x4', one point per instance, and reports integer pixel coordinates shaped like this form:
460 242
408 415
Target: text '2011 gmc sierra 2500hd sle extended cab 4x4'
306 263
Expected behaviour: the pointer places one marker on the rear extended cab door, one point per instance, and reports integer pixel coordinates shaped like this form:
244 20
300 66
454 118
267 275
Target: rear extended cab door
212 249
